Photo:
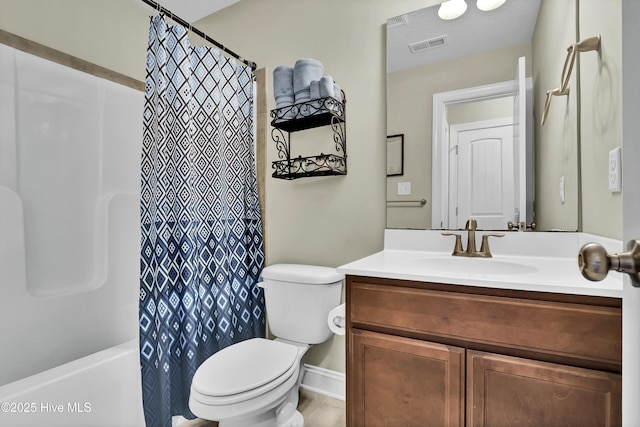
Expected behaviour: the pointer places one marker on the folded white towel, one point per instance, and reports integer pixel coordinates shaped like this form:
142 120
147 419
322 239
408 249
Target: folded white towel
303 96
283 86
326 86
314 89
337 92
305 71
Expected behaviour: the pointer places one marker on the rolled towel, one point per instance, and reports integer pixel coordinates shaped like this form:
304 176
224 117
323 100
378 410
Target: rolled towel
283 86
326 86
314 89
337 92
305 71
304 95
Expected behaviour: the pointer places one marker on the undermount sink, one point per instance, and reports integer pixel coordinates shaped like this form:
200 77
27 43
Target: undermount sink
466 265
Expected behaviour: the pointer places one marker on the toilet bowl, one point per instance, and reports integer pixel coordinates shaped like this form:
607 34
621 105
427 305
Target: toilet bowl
249 396
255 382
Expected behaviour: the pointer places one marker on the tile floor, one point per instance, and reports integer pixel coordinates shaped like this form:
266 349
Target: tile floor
321 411
318 411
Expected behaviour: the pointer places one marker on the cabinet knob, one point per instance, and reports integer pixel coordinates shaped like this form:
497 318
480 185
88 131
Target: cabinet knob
595 262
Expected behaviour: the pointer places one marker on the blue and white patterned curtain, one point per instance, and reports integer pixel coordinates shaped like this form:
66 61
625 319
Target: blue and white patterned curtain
202 250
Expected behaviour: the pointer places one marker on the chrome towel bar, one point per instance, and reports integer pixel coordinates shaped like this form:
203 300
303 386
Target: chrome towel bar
421 202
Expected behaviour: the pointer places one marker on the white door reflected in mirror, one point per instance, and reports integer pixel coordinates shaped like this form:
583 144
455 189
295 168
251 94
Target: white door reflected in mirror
493 199
481 174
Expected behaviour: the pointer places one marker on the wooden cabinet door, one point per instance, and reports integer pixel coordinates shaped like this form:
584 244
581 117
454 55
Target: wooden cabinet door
509 391
403 382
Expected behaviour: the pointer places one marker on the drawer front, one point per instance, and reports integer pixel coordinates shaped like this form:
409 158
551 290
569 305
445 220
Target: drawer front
578 331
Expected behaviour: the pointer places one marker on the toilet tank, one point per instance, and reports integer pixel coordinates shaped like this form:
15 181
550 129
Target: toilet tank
298 299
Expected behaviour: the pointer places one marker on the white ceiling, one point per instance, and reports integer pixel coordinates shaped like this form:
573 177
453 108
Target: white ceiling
193 10
476 31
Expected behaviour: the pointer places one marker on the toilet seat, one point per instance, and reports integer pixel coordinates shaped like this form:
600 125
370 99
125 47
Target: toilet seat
259 365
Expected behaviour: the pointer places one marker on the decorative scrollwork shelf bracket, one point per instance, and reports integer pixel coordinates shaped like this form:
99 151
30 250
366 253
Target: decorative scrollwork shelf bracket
307 115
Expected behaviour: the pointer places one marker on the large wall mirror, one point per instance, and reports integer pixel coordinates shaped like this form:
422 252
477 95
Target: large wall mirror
475 160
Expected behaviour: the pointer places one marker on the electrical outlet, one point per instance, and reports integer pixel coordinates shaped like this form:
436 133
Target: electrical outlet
404 189
615 172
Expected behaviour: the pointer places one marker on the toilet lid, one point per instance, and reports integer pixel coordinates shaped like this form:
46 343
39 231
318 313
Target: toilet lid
303 274
244 366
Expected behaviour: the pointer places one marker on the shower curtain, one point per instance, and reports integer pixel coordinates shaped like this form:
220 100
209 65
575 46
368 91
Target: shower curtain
201 249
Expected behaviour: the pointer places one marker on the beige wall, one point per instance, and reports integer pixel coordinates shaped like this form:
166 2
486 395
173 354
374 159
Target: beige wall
326 221
410 112
112 34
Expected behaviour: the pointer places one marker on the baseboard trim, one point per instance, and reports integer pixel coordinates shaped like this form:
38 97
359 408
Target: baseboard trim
324 381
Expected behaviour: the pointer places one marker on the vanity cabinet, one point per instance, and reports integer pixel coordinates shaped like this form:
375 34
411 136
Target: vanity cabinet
428 354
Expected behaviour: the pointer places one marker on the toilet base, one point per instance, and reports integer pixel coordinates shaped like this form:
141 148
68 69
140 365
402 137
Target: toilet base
287 412
264 420
296 420
277 408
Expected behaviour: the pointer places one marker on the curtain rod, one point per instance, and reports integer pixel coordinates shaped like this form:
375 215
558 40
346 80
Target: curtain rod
198 32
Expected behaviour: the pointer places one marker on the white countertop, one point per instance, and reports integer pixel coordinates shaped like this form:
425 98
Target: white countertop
532 266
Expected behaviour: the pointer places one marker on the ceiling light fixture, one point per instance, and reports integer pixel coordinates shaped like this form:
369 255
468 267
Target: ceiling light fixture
452 9
486 5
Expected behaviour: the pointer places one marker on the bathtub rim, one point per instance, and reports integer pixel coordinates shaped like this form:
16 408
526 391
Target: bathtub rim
41 379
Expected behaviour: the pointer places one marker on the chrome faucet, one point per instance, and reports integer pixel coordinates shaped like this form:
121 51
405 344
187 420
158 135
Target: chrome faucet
471 251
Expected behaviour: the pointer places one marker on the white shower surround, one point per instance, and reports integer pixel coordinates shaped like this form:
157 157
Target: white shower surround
69 166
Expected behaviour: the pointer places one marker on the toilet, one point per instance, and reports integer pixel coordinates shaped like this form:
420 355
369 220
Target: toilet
255 382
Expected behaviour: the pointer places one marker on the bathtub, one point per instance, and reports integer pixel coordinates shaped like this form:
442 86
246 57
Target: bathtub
102 389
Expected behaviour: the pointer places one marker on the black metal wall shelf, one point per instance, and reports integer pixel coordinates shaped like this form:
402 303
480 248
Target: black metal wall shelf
307 115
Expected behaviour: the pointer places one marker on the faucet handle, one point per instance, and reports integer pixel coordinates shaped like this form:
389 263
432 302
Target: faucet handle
484 248
457 249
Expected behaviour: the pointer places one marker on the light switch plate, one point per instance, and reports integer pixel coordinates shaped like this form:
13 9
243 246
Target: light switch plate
615 170
404 188
562 190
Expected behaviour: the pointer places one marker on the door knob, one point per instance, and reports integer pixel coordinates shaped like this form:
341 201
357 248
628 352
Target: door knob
595 262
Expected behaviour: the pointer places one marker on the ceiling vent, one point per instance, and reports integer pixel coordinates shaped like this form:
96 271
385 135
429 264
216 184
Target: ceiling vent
397 21
433 43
